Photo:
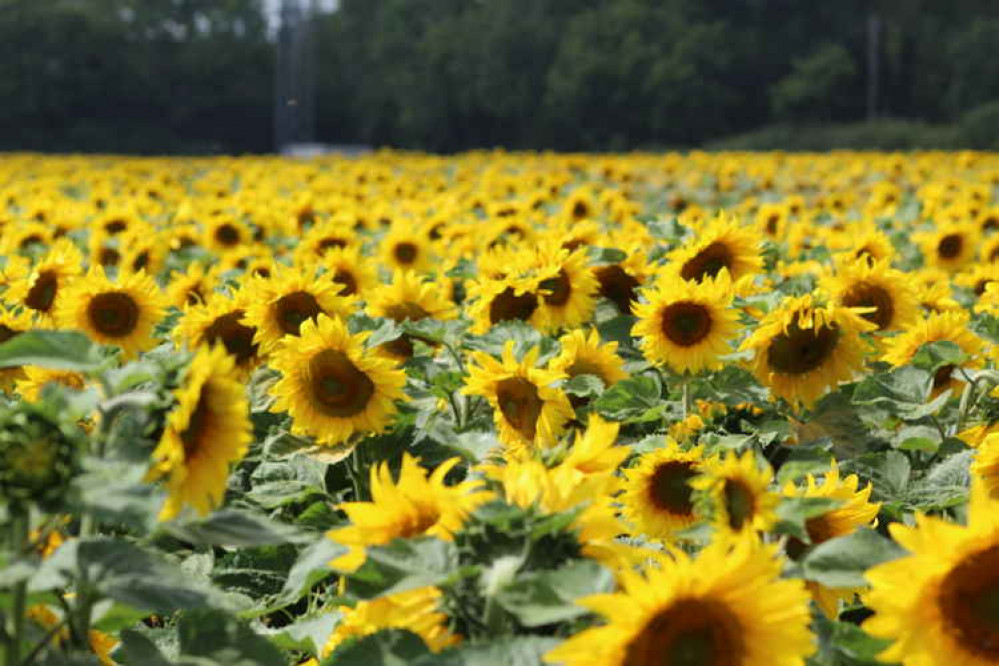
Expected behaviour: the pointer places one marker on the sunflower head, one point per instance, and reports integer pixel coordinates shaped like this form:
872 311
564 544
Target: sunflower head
284 302
738 496
720 244
39 456
658 498
887 295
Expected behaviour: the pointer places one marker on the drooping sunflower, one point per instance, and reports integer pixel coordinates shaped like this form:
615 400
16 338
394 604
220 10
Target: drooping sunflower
728 605
207 431
738 490
567 288
949 326
874 284
417 611
720 243
586 354
687 325
12 324
41 288
121 312
658 497
191 287
803 349
353 273
36 379
221 320
332 387
855 511
410 298
527 410
412 506
282 304
938 604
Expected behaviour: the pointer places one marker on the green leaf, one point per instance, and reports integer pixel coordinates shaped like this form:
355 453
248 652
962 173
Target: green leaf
903 385
55 350
137 649
538 598
231 527
392 647
630 397
312 566
403 565
606 255
125 573
307 634
841 562
794 512
215 635
584 386
526 650
935 355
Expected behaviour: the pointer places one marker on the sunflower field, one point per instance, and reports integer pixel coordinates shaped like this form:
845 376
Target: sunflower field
500 409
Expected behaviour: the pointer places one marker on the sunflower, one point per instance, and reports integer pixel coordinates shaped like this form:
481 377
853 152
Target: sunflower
12 324
416 611
949 326
583 354
508 299
191 287
771 219
323 238
802 349
720 243
986 465
737 487
221 319
875 285
687 325
406 248
938 604
934 290
352 272
527 410
36 379
870 244
658 497
567 288
143 250
596 451
579 206
978 277
281 304
856 510
207 430
409 298
121 313
619 282
950 246
332 387
412 506
41 288
728 605
224 233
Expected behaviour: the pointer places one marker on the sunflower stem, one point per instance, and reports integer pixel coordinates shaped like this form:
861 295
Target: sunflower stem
15 632
685 389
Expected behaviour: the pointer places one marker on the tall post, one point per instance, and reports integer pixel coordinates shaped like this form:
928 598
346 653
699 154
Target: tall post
294 86
873 63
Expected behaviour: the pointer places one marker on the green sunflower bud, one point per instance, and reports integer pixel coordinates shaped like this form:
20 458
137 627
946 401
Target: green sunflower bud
38 456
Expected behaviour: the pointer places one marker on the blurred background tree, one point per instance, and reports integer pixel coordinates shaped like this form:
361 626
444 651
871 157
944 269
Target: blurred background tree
197 75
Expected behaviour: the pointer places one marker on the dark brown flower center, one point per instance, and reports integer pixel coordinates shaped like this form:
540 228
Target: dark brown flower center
950 246
227 235
520 404
686 323
708 262
237 338
617 286
740 503
42 294
969 603
109 256
689 632
580 211
669 487
198 423
293 309
866 295
942 376
771 225
348 281
405 310
558 289
507 305
329 243
801 350
115 227
114 314
141 261
339 388
405 253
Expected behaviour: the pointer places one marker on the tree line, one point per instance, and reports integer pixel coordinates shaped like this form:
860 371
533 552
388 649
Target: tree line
446 75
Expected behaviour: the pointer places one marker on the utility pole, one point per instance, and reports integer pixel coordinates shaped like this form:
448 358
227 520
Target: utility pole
295 79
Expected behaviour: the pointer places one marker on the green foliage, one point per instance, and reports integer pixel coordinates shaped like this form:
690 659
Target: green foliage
817 87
